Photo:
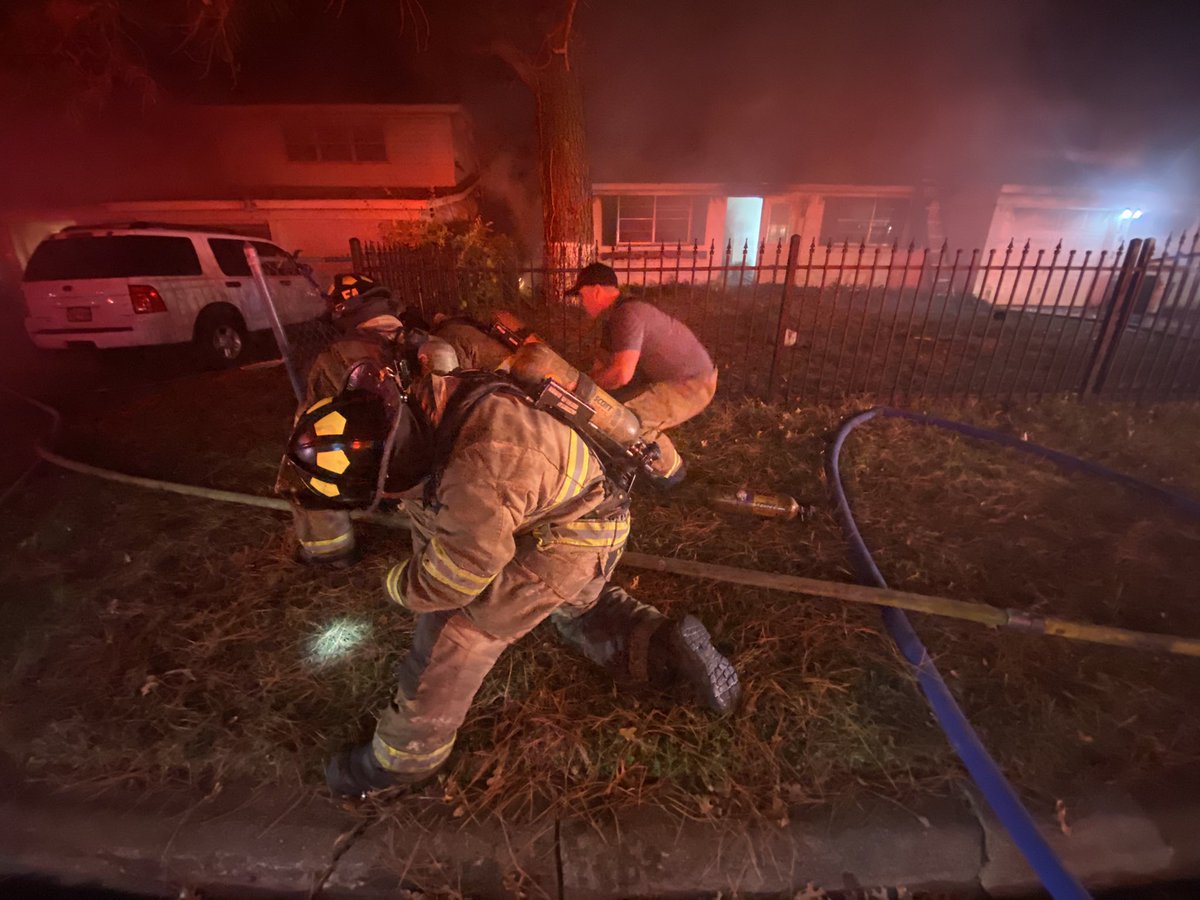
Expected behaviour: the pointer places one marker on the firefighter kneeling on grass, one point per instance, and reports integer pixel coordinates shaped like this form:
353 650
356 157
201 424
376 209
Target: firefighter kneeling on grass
515 520
370 328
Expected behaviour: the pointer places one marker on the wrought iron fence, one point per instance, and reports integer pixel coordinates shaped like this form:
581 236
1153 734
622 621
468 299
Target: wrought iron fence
818 323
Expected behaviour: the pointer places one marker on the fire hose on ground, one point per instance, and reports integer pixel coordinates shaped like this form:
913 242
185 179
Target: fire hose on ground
962 610
982 768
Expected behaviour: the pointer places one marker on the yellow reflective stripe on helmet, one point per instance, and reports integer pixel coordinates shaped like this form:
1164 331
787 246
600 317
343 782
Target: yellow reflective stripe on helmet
329 543
319 404
333 423
323 487
335 461
579 459
391 584
440 566
396 760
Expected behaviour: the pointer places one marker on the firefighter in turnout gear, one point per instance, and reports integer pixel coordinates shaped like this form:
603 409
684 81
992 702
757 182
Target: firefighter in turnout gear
472 344
514 520
369 329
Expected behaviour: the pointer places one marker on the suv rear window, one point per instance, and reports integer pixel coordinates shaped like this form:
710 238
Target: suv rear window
117 256
231 257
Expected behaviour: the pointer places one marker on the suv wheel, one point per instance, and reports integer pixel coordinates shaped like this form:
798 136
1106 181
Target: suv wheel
220 338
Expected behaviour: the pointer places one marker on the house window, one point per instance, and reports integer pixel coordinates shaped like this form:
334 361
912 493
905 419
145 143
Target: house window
1059 222
864 220
779 222
652 220
360 143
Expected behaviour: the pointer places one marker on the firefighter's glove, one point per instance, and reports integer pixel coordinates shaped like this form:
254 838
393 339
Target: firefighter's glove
393 584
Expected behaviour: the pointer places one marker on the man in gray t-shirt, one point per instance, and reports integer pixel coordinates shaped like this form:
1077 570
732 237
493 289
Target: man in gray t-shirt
651 362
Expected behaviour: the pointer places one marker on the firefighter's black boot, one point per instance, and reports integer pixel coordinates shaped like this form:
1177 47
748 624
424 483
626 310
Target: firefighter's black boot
356 772
684 653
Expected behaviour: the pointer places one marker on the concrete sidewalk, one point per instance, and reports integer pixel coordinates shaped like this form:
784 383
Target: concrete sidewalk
278 842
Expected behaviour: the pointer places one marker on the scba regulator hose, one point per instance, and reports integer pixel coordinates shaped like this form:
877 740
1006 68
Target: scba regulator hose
982 768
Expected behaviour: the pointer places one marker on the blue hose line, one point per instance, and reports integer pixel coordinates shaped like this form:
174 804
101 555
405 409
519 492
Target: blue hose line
983 770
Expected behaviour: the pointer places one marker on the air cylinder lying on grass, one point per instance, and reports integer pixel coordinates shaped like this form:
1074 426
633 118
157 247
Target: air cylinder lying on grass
757 503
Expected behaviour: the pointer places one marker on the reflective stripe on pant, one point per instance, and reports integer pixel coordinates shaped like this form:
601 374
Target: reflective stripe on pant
323 533
666 404
439 678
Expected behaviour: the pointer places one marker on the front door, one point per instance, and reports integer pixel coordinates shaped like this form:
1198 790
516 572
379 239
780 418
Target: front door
743 221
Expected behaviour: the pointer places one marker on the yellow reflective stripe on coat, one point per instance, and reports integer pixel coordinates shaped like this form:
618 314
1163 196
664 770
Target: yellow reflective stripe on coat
440 566
396 760
586 533
579 459
391 583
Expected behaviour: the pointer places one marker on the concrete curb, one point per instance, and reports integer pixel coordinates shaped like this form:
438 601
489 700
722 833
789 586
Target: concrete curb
1117 836
277 842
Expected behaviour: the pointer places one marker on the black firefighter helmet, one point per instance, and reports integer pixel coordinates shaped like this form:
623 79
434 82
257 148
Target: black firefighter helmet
353 299
347 448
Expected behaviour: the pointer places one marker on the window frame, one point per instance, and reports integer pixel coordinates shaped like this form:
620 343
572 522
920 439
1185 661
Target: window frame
871 222
365 143
655 218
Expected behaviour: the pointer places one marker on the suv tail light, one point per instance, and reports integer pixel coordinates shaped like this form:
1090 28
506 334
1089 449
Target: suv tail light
146 299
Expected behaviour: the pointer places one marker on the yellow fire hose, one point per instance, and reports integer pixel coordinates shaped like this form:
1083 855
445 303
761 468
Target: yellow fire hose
979 613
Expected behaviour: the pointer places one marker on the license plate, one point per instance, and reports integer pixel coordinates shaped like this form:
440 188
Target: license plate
79 314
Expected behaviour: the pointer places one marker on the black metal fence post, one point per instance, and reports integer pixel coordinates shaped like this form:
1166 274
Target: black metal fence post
1116 317
356 255
781 326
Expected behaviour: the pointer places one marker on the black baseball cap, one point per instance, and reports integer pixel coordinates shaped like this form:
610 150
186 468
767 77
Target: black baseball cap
596 273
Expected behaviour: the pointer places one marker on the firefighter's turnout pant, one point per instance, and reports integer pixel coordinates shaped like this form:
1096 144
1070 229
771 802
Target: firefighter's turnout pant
325 535
560 572
665 404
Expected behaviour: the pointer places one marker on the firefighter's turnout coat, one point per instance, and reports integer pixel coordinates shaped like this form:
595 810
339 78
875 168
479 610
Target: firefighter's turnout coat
517 523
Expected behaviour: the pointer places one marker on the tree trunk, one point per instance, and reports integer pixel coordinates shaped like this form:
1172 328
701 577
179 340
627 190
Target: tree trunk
566 183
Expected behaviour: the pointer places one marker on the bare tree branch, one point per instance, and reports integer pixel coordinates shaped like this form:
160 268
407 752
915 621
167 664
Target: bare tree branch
564 49
413 9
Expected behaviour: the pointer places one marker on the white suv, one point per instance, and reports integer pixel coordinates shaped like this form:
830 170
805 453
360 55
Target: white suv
142 284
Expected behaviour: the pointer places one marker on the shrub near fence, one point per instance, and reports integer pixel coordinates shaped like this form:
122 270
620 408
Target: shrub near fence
817 323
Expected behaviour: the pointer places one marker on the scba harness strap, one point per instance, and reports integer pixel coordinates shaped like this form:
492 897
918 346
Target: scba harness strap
485 384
